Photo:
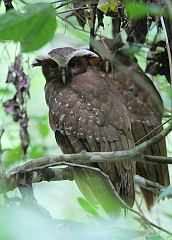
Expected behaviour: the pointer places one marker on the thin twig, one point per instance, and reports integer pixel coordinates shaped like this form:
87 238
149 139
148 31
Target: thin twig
73 10
68 22
1 165
168 53
143 215
147 135
63 4
147 221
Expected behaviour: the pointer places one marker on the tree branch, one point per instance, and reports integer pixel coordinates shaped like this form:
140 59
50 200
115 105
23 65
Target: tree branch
134 154
41 172
8 4
61 174
9 183
149 185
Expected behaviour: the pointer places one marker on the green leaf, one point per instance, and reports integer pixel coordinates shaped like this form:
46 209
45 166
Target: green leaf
131 50
97 190
43 126
136 10
5 91
12 156
107 6
87 206
36 151
154 236
33 27
140 10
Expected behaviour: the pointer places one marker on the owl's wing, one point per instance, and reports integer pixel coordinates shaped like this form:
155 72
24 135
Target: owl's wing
144 117
144 121
89 115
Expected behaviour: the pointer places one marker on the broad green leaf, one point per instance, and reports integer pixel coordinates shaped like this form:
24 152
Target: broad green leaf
12 156
97 190
87 206
140 10
33 27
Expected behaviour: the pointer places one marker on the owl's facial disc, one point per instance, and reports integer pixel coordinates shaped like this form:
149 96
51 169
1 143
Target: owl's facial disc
52 65
62 64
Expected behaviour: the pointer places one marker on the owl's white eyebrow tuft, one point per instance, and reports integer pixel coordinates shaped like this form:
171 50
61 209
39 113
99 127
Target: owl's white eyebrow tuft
43 57
82 53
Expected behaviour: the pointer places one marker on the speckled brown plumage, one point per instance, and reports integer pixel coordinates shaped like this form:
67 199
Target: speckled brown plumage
144 117
87 113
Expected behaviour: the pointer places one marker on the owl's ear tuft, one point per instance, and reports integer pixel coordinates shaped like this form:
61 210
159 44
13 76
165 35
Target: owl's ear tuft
39 60
84 53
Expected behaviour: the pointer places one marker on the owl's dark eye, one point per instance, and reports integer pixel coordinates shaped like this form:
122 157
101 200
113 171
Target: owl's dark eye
73 62
53 65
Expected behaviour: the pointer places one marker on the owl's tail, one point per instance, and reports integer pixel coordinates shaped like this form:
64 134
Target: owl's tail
153 172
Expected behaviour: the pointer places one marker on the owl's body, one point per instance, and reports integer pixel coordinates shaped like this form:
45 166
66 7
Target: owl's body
87 113
144 114
145 118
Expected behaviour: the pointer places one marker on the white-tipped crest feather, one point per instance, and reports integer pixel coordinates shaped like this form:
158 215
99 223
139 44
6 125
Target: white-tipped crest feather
82 53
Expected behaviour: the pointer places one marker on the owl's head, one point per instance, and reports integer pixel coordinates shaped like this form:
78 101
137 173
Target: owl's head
62 64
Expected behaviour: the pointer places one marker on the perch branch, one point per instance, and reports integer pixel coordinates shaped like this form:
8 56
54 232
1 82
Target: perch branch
60 174
9 183
134 154
149 185
39 167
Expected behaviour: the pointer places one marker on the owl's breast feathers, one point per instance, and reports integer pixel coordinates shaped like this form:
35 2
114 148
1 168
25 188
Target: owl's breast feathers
89 114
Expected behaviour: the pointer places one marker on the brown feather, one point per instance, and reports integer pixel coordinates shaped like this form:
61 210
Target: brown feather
144 117
89 114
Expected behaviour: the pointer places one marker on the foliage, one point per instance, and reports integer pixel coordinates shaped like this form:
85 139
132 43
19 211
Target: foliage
34 26
44 227
140 10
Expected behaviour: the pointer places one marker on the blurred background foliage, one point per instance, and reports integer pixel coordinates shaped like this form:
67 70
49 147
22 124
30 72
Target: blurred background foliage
62 212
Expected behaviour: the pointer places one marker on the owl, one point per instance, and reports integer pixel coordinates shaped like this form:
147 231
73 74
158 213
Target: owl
145 116
87 113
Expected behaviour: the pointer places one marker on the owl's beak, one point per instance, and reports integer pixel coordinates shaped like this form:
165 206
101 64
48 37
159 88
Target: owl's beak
63 71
